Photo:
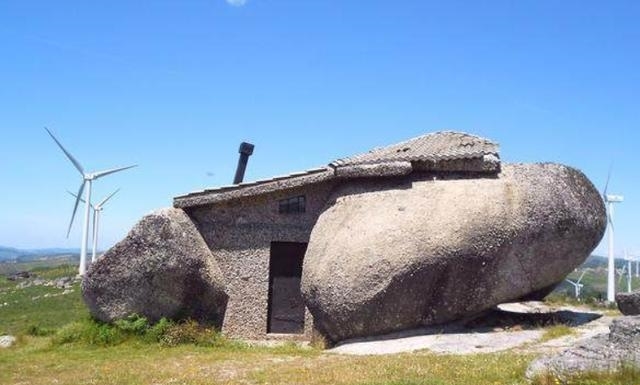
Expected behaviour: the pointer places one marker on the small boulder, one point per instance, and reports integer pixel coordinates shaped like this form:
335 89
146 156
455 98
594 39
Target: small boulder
7 341
387 255
629 303
602 353
162 268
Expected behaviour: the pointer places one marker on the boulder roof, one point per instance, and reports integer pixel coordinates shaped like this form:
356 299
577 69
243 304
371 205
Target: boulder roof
445 147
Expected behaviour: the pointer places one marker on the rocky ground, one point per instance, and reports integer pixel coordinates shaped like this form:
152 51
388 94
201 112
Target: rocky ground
515 326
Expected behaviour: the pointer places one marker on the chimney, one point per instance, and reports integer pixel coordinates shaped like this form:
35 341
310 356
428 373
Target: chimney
246 149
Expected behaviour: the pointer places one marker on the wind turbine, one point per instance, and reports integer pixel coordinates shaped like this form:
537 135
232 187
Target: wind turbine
87 179
629 276
609 200
97 209
629 271
577 285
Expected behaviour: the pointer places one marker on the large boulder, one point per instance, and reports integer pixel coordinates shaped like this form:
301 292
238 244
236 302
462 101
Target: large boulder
602 353
394 255
629 303
162 268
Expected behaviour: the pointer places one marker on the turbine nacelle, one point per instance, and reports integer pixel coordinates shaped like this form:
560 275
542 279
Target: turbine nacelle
610 198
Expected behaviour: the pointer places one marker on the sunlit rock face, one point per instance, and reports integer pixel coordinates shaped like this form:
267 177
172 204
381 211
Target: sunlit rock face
389 255
163 268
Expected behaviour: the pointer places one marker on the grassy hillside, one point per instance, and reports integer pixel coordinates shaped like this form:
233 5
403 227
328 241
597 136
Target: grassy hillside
40 306
595 280
59 343
12 253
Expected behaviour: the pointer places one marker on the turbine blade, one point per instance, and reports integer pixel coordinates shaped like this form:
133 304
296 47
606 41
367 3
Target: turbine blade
107 198
606 185
81 200
582 275
75 207
100 174
71 158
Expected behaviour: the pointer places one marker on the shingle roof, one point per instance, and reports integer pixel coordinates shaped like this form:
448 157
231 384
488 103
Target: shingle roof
258 187
444 145
396 159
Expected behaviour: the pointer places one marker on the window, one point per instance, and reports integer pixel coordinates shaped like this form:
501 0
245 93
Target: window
292 205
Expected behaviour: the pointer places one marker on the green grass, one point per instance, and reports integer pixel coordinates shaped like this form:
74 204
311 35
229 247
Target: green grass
556 331
28 307
626 375
59 343
7 268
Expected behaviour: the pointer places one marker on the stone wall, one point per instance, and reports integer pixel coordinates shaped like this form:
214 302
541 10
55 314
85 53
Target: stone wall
239 234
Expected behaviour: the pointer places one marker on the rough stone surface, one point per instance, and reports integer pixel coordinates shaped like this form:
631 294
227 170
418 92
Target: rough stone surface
389 255
604 352
163 268
629 303
7 341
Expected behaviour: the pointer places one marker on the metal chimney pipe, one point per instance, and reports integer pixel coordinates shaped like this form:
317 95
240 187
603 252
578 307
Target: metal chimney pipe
246 149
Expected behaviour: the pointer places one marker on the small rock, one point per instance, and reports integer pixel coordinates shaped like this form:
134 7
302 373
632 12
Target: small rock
7 341
629 303
604 352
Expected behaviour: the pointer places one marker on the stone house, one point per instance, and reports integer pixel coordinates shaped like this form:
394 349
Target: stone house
258 231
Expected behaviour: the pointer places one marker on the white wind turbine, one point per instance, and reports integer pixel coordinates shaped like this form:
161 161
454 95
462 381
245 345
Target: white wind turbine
629 275
87 178
97 209
609 200
577 285
629 271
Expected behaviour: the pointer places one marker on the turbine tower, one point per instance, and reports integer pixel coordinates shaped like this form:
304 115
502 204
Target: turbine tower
87 179
97 209
629 276
609 200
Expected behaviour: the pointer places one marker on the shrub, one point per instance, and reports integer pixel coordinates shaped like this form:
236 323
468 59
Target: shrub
156 332
165 332
70 333
89 332
134 324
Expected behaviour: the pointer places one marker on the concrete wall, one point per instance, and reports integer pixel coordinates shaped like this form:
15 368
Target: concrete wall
239 234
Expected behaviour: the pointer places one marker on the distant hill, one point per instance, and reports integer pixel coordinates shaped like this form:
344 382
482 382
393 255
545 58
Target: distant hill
595 261
21 255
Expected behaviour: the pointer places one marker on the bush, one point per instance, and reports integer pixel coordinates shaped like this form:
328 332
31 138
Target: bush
89 332
70 333
164 332
134 324
156 332
187 332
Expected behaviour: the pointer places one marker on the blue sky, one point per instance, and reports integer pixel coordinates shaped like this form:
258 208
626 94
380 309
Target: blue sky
174 86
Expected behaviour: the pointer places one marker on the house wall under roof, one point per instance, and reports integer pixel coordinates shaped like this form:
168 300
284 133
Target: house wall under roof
239 233
240 222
